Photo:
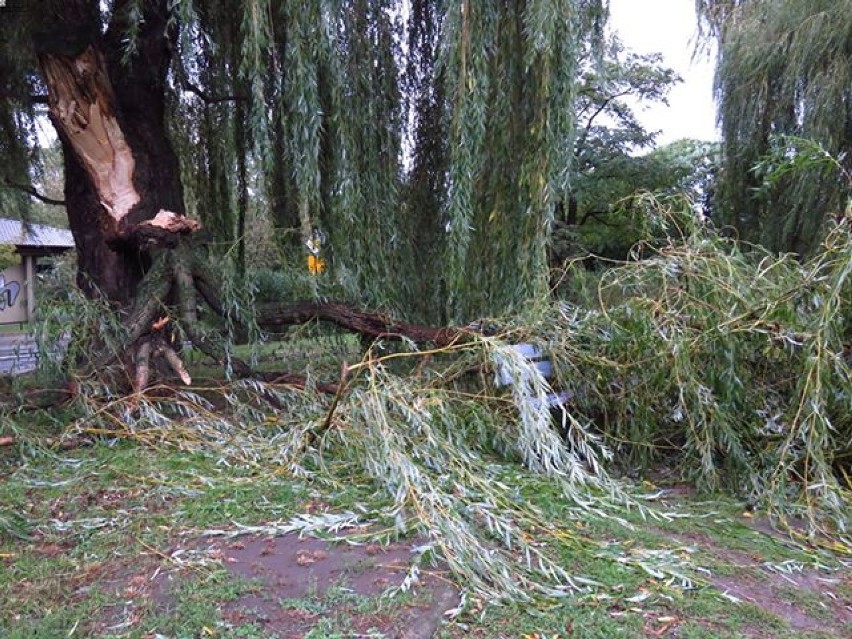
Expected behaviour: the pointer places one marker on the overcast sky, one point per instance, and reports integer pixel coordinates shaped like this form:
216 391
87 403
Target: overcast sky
669 27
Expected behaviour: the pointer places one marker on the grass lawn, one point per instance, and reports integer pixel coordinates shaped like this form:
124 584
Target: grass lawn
115 546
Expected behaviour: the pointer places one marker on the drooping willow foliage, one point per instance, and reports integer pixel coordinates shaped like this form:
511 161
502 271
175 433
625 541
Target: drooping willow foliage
428 140
510 80
736 361
784 68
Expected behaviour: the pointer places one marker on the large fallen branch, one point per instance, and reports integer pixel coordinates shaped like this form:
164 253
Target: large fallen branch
370 324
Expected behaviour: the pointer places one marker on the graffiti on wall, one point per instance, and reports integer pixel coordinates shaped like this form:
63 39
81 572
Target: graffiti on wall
13 295
9 292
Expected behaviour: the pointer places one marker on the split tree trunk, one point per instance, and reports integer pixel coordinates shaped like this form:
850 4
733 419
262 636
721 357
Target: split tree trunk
121 170
122 180
123 191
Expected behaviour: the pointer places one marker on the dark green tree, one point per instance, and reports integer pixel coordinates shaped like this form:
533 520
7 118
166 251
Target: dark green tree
609 135
603 212
784 68
659 194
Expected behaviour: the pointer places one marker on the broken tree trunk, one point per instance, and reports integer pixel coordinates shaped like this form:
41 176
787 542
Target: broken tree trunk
88 117
122 189
122 180
124 195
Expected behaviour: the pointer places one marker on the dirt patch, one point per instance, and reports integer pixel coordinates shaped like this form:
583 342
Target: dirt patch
306 580
780 594
297 584
764 594
128 585
303 567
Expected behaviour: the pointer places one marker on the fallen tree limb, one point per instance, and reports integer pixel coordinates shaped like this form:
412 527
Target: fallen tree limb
370 324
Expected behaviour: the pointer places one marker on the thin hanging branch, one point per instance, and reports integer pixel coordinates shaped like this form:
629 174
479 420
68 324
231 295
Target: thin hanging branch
32 192
208 98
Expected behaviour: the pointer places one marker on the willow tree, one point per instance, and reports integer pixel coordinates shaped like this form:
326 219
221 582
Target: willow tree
511 77
784 71
171 114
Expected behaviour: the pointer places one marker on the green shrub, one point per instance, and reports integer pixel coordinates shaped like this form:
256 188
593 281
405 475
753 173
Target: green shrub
8 256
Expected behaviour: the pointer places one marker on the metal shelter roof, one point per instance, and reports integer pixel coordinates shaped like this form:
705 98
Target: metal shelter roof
34 235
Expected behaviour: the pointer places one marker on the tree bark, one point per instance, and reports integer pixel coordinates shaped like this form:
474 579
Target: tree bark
124 195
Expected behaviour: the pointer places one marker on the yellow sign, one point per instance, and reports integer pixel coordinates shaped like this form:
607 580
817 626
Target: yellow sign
316 264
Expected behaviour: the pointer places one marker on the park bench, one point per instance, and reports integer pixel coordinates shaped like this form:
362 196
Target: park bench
542 363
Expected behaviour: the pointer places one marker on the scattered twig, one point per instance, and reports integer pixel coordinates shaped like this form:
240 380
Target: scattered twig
341 387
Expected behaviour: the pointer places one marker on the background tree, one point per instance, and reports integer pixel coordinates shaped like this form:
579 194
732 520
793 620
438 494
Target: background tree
609 134
784 68
620 205
612 162
39 198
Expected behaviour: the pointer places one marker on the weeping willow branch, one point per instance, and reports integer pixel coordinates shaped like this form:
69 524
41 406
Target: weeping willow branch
32 192
212 99
783 68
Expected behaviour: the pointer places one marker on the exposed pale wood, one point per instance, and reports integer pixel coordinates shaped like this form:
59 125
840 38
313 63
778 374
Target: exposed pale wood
164 230
143 367
82 106
171 222
175 362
